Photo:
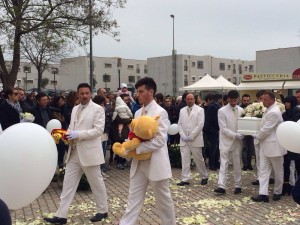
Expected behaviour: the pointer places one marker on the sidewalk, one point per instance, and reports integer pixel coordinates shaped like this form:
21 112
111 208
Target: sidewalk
195 204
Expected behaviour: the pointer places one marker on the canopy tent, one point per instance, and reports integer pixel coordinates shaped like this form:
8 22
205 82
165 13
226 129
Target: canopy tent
225 83
260 85
206 83
292 84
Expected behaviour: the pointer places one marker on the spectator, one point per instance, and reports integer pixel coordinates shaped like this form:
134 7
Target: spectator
41 111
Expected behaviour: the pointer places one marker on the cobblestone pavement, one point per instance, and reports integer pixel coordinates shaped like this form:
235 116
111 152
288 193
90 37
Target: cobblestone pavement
195 204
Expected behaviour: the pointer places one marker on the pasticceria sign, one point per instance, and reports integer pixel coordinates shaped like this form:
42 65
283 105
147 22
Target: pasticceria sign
272 76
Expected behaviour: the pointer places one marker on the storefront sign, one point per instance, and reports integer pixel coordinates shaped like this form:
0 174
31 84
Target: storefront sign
268 76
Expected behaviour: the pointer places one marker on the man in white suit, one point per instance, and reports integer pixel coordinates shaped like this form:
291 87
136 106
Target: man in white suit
271 153
84 156
190 123
155 171
230 142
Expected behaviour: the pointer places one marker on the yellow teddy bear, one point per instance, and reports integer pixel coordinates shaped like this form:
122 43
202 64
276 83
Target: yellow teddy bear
142 129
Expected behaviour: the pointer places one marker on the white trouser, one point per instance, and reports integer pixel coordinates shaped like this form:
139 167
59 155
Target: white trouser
257 160
186 161
235 151
266 166
137 190
74 171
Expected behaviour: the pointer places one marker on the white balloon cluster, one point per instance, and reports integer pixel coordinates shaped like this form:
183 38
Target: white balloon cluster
288 135
28 159
173 129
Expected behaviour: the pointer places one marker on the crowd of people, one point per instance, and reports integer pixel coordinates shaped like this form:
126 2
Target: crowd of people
207 131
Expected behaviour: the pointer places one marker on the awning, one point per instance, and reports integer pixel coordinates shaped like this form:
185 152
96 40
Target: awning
295 84
261 85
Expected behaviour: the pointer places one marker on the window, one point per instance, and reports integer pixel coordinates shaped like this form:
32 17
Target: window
138 68
200 65
193 64
106 77
228 67
240 69
246 68
52 82
29 81
222 66
55 70
107 65
27 69
138 78
145 69
186 82
234 70
251 68
193 78
18 81
131 79
185 65
130 67
234 80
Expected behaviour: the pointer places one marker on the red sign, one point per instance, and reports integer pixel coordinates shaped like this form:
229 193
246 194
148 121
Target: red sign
247 76
296 74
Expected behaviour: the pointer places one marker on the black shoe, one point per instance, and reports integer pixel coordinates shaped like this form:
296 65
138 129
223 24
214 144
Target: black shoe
182 183
286 189
120 166
276 197
245 168
271 181
250 168
98 217
56 220
260 198
255 182
220 190
204 181
237 191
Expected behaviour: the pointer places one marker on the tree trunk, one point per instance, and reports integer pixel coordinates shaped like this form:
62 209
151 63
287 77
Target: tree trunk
40 76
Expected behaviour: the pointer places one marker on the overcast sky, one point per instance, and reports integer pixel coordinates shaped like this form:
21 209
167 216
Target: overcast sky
222 28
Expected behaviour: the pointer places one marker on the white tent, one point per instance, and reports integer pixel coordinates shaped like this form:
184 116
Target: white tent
225 84
206 83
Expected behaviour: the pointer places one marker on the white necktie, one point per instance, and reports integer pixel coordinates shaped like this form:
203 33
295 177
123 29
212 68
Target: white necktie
144 111
189 110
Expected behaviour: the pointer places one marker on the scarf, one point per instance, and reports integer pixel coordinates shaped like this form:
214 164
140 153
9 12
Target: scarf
16 106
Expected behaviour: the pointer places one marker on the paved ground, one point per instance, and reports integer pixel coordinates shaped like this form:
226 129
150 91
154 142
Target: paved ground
195 204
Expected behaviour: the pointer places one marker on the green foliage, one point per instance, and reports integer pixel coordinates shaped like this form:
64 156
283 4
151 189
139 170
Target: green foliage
44 82
174 155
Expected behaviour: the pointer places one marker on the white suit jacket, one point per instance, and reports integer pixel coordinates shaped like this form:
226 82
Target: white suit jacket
191 125
90 127
160 168
267 133
227 120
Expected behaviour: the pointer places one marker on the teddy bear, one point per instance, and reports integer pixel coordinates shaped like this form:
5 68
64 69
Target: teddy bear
142 129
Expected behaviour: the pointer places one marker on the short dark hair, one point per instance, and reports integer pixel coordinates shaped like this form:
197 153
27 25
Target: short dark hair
260 93
184 96
148 82
209 97
216 97
233 94
84 85
124 95
40 95
224 98
246 95
99 99
160 97
271 94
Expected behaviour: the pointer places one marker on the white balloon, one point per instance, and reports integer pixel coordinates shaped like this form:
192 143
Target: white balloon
173 129
288 134
53 124
28 159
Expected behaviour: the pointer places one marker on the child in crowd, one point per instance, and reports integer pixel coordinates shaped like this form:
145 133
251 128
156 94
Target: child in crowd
122 114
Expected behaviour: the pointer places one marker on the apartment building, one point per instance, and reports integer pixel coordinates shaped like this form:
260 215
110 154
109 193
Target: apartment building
190 69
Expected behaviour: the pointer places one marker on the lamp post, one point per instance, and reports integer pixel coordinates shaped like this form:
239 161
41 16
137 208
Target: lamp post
54 71
91 46
119 65
26 71
105 80
174 60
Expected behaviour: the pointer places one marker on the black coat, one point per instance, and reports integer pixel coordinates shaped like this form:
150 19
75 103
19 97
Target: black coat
36 111
8 115
211 124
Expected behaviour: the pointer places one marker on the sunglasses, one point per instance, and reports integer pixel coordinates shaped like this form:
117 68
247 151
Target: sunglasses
15 93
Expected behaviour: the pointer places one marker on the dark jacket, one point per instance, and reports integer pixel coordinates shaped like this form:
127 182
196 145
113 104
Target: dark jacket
211 124
8 115
296 191
36 111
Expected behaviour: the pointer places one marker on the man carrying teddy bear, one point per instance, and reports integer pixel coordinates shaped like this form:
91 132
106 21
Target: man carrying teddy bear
157 170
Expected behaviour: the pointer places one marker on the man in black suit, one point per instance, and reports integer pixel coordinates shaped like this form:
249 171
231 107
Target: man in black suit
41 110
211 129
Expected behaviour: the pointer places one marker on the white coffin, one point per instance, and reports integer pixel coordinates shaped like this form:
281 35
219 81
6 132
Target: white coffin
248 125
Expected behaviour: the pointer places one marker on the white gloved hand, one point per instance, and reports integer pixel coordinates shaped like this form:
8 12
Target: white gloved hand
72 135
188 138
240 136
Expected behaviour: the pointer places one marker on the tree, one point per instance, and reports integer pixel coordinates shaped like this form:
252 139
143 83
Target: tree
44 82
67 18
43 47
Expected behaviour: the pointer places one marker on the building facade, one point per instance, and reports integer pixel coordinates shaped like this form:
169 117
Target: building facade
108 72
190 69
